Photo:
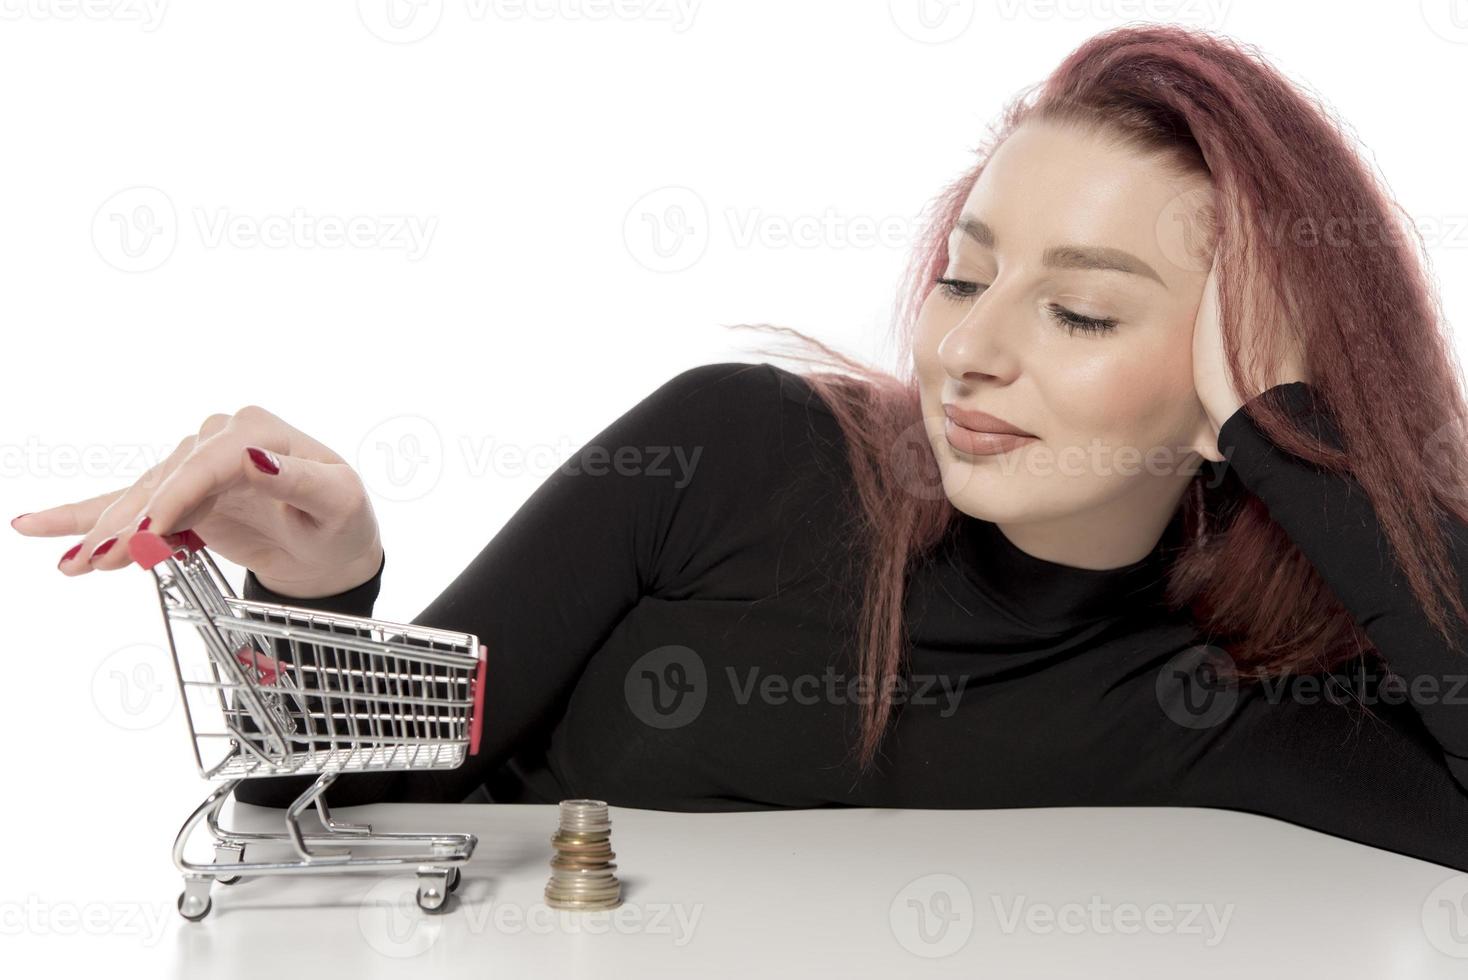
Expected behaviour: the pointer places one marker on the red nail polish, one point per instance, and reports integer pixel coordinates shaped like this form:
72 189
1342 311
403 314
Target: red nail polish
70 554
143 524
102 548
264 460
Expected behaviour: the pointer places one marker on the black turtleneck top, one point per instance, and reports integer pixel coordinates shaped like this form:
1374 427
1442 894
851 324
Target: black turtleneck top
670 622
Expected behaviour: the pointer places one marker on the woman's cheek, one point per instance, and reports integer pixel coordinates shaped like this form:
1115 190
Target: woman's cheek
1122 401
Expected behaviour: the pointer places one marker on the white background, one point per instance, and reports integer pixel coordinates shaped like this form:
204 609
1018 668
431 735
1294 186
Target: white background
504 291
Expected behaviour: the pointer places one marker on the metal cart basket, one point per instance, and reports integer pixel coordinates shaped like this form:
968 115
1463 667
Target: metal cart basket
275 690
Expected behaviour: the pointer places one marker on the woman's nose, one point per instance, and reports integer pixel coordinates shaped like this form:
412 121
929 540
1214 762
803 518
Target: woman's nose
983 344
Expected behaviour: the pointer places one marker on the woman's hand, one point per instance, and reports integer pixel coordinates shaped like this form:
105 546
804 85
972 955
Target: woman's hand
305 530
1217 395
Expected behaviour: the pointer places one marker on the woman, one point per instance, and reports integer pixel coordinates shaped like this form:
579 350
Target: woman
1228 402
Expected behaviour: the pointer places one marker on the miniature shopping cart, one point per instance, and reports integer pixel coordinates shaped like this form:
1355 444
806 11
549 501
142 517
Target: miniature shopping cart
274 690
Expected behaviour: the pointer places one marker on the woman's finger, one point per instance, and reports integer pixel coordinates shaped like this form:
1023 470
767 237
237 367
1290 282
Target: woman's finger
84 516
210 469
119 553
118 513
73 518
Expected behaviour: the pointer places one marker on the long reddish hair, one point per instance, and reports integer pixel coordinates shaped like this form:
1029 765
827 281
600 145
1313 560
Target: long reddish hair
1365 312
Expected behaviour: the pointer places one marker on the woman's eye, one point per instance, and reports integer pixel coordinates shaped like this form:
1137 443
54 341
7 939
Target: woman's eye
1073 321
958 289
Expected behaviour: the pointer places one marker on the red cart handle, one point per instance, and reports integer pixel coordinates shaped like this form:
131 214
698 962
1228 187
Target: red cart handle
148 549
476 713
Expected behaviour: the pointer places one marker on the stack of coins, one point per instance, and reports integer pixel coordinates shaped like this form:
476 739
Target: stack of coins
581 871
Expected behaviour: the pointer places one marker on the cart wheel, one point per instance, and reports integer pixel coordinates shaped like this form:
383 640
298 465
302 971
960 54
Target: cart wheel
453 880
431 902
196 916
433 891
223 853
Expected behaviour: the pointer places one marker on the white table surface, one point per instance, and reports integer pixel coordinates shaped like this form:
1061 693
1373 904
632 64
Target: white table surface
1073 892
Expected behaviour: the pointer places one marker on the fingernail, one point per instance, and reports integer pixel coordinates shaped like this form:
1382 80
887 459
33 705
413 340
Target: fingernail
70 554
19 516
102 548
143 524
264 460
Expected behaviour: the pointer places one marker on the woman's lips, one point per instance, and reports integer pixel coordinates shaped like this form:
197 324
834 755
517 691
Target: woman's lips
980 443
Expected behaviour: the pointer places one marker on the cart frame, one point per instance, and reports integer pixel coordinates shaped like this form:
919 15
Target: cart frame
407 697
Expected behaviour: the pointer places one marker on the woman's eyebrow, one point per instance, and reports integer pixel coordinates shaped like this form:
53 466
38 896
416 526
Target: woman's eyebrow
1069 256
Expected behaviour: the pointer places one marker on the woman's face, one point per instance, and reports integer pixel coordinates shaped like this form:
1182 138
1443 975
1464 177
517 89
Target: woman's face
1095 362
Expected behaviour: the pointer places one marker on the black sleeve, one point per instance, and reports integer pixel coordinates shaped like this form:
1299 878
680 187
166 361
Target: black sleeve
1331 520
623 517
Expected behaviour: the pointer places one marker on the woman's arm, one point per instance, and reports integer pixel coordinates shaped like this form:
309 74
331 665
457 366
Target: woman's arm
1331 520
616 521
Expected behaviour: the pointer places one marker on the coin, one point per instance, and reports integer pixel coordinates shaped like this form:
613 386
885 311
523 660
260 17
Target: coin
589 847
582 868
